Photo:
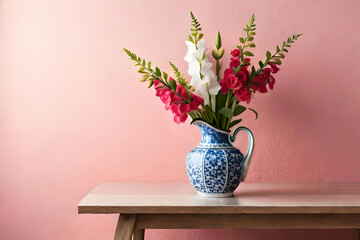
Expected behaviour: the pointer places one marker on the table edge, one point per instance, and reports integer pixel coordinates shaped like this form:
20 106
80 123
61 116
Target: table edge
219 210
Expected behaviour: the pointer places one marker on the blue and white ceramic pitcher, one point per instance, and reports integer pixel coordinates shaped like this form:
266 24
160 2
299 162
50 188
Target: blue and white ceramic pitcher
215 167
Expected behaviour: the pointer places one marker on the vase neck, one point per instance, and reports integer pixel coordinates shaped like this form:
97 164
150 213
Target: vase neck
211 136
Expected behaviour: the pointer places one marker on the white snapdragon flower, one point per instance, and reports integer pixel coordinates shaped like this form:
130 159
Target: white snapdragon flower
206 82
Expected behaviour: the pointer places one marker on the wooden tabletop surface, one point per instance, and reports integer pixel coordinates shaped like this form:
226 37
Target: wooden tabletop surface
261 198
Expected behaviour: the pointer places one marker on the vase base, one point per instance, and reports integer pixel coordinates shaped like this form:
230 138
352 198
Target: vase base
215 195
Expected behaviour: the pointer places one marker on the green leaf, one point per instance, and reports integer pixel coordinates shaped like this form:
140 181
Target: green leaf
239 109
172 84
165 75
250 39
226 112
236 70
157 72
280 55
141 69
277 48
233 123
256 114
268 55
149 65
247 53
253 72
251 45
220 101
276 60
127 52
187 90
261 64
252 33
210 113
190 39
242 40
285 50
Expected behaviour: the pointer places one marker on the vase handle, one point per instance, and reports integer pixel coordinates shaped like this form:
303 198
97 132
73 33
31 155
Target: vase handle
249 152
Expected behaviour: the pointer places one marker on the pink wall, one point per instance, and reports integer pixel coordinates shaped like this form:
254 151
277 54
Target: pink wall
74 114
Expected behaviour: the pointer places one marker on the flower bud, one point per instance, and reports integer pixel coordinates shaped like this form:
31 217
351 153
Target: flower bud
144 77
222 51
151 82
218 40
214 53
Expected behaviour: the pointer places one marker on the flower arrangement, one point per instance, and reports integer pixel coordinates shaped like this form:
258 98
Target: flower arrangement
212 96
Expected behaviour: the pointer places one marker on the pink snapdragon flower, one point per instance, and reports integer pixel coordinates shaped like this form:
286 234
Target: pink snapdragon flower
175 103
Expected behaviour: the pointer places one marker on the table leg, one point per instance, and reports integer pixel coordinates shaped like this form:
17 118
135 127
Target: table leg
139 234
125 227
357 234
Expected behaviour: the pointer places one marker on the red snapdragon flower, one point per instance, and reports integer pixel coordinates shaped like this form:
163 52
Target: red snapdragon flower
242 76
230 81
175 103
274 68
229 71
259 82
236 52
235 62
243 94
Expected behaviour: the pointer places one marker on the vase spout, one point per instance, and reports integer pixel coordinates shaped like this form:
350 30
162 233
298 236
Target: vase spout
212 136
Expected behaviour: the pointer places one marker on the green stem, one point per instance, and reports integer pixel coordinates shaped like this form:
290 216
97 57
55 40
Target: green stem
232 109
210 102
228 97
274 55
218 68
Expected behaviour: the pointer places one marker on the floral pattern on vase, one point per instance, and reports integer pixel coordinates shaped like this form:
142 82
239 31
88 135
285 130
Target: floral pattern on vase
215 167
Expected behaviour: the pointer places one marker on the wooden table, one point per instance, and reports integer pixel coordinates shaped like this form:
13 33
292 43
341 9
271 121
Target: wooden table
177 206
